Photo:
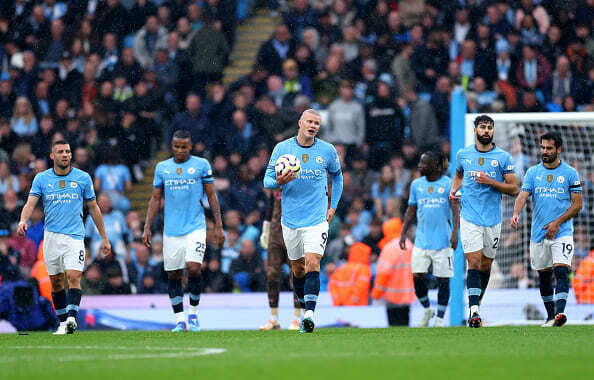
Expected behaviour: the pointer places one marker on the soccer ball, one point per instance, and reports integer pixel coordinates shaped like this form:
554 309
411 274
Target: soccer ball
287 163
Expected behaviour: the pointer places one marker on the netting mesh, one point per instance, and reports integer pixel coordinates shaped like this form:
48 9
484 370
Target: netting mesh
522 140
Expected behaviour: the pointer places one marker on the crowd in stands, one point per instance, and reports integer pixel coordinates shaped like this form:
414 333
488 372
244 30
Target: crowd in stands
116 81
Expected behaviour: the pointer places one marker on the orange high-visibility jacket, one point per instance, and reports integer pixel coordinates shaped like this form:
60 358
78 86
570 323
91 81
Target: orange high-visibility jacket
583 281
394 280
349 284
39 272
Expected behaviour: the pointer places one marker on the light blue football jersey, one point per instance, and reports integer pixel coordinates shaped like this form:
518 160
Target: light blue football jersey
305 199
182 185
550 190
434 215
63 197
481 204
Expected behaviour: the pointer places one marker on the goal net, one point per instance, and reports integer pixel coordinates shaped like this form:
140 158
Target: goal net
519 134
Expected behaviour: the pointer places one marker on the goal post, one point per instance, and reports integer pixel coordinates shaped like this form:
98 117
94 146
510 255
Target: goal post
519 134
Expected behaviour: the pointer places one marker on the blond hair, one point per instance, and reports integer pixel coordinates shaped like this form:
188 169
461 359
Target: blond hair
29 115
311 111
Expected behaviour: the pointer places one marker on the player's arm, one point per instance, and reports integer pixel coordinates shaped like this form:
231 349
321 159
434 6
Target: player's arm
153 208
95 213
335 195
265 235
574 208
509 186
213 201
455 206
456 185
26 214
518 206
409 217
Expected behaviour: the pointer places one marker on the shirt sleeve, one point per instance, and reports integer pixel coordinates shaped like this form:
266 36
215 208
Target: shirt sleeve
459 167
575 184
375 190
412 199
270 177
528 184
157 180
126 174
507 166
334 162
88 191
207 173
37 187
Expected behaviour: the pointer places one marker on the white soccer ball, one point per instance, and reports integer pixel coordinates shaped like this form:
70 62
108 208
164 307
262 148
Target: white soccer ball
287 163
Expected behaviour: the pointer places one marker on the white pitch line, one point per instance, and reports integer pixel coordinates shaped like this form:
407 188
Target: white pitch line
163 355
47 347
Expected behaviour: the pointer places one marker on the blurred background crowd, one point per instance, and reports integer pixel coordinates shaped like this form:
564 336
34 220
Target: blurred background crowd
117 78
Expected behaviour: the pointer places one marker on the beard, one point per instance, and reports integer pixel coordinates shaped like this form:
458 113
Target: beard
484 140
549 158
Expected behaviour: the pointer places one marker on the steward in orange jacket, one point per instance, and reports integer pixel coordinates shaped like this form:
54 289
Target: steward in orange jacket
394 280
583 281
349 284
39 272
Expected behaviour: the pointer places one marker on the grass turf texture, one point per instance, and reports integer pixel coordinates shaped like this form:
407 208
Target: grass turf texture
394 353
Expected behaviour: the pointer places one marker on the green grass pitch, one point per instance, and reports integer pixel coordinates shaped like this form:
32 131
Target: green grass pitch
362 354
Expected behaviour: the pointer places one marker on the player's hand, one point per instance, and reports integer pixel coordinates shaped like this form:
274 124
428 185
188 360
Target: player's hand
105 247
552 229
402 243
22 228
286 178
483 178
454 240
330 214
514 221
147 236
219 236
453 196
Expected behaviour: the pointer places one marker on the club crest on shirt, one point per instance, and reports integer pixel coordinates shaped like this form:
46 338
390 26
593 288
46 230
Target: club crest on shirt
191 171
74 185
430 190
494 163
560 179
178 170
305 157
62 184
441 190
549 178
481 161
319 159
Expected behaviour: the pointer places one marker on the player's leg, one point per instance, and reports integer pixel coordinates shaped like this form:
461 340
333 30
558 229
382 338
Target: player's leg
297 308
74 261
314 244
274 261
174 249
420 263
53 257
443 269
562 253
473 244
491 243
195 249
294 246
541 260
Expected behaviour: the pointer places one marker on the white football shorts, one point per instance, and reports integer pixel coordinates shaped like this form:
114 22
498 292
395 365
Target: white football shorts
62 252
477 238
442 259
177 250
548 252
300 241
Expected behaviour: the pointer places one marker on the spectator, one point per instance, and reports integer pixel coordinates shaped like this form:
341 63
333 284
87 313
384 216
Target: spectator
23 121
299 17
423 123
242 136
148 39
429 61
56 46
538 12
561 83
215 280
233 219
373 238
115 282
276 50
27 252
477 63
248 269
247 196
402 69
346 119
93 281
114 178
195 120
7 99
7 179
208 53
185 32
112 17
440 101
295 84
533 70
386 193
530 103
